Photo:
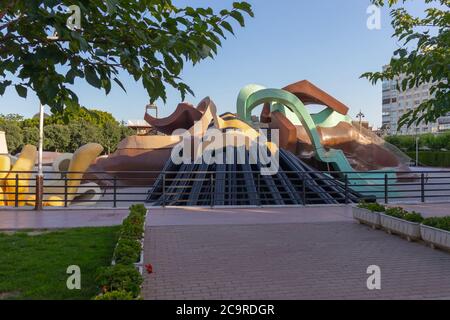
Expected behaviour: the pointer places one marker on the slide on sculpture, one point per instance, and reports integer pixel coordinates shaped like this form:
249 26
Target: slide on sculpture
327 140
329 135
336 131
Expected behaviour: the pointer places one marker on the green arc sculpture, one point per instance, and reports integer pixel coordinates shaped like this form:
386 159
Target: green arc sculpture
253 95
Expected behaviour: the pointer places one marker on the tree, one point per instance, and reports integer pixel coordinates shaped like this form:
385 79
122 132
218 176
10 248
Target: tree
424 57
149 39
81 133
56 138
92 116
12 117
14 136
431 141
31 136
126 131
83 126
111 134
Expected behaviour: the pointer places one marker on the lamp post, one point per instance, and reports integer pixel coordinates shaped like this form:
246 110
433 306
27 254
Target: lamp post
40 175
152 107
360 115
387 130
74 24
417 150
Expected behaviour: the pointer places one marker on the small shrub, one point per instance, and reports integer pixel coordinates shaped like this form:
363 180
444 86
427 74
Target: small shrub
115 295
414 217
438 223
122 281
374 207
396 212
432 158
120 278
127 251
131 231
401 213
134 219
139 209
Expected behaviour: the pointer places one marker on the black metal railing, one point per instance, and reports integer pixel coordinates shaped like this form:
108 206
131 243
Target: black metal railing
414 188
231 188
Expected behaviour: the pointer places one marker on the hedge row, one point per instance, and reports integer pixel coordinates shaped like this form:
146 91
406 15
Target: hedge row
401 213
438 223
432 158
442 223
122 280
431 141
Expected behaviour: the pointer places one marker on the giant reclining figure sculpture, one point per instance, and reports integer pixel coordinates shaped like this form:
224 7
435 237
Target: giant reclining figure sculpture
189 184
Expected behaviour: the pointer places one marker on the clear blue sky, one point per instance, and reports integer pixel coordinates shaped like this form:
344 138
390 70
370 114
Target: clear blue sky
324 41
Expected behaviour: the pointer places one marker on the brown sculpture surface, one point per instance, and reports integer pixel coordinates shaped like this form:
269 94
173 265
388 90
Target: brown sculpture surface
139 159
364 150
183 118
356 147
344 136
287 131
308 93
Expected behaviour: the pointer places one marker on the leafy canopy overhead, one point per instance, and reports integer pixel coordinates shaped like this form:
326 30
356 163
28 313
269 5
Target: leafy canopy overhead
149 39
423 57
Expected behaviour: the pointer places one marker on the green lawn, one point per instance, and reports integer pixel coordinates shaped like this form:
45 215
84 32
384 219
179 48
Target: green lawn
33 265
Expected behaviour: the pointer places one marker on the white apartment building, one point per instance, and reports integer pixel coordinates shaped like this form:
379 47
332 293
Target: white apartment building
396 103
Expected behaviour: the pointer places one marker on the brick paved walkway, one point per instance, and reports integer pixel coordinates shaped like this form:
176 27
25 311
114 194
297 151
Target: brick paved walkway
297 260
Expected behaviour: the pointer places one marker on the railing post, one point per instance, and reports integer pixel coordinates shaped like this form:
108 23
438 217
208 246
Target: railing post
386 188
346 188
258 189
304 189
164 190
211 182
115 192
66 198
422 187
16 191
39 193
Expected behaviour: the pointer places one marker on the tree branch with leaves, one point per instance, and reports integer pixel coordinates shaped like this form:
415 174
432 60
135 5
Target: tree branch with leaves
423 57
151 40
